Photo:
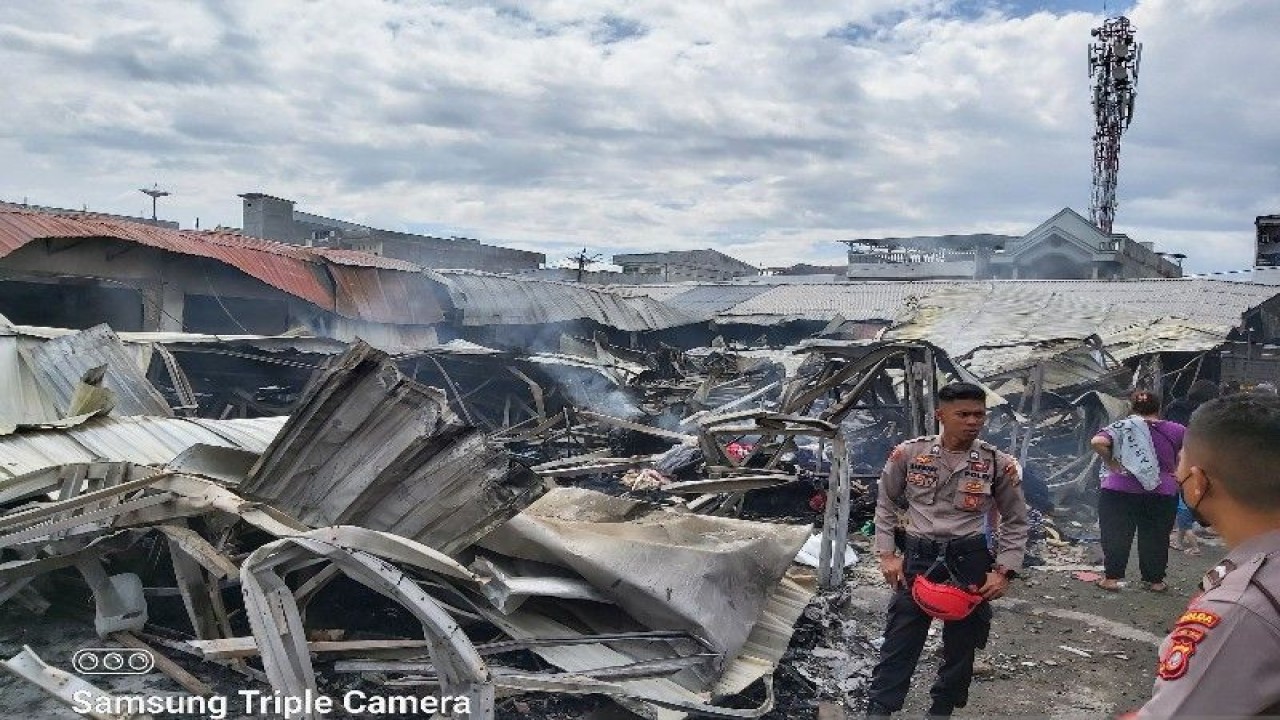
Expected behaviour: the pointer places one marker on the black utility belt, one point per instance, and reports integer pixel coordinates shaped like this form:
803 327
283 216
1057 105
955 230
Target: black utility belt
914 545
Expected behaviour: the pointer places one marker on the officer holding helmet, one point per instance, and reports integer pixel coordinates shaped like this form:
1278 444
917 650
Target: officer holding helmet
940 567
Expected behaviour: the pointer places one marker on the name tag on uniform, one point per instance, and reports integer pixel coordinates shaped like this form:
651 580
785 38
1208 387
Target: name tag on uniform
921 479
980 466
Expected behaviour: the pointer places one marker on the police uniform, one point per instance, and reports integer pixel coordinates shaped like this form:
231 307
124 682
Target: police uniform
947 496
1222 658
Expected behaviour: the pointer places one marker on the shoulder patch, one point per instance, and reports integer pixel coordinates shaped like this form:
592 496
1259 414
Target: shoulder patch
1176 658
1011 473
1198 617
897 454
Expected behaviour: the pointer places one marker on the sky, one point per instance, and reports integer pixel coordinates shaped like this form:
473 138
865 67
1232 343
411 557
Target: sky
766 129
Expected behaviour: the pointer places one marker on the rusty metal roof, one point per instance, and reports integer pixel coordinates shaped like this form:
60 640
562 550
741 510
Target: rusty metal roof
363 286
285 267
385 296
355 258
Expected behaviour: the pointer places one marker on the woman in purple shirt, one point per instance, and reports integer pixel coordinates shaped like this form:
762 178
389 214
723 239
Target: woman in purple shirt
1125 507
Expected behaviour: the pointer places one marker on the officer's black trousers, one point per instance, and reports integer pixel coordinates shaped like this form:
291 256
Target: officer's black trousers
904 638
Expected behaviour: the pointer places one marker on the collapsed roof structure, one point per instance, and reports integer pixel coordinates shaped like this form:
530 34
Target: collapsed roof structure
532 487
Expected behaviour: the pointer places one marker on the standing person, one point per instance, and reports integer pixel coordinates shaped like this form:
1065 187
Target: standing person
1139 491
1184 536
1223 657
1200 392
947 483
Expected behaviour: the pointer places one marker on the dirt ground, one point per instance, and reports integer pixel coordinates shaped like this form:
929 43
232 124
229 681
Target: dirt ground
1025 670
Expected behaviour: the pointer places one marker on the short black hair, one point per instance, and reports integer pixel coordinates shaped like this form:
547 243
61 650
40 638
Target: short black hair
1243 434
1144 402
961 391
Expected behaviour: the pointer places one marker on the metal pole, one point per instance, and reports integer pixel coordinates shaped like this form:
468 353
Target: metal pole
1038 384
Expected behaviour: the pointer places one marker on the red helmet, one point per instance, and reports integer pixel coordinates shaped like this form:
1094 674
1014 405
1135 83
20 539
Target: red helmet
943 600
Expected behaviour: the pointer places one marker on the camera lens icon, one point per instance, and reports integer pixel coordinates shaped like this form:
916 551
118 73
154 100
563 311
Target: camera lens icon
113 661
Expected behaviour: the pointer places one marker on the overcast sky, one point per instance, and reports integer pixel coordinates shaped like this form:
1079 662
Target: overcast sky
767 129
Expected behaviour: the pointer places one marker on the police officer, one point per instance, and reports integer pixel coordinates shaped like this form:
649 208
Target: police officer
947 482
1222 658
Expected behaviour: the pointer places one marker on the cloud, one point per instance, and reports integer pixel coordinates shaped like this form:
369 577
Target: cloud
755 127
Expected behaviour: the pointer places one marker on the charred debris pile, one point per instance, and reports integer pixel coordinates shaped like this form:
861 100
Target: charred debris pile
555 531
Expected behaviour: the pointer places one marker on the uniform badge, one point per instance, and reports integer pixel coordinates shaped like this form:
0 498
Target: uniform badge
1176 659
922 479
923 460
980 466
896 454
1214 577
1011 472
971 501
973 486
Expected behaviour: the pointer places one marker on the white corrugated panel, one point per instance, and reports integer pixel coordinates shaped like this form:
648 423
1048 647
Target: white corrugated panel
502 300
143 440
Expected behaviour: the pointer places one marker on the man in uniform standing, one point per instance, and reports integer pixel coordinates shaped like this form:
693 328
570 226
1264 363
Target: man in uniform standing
947 483
1223 657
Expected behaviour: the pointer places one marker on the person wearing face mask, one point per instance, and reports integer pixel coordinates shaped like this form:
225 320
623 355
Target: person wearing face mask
1222 658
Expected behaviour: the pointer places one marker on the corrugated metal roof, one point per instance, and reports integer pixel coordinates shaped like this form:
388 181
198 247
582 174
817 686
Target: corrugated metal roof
1195 299
386 296
368 287
705 301
58 366
144 440
286 267
486 299
355 258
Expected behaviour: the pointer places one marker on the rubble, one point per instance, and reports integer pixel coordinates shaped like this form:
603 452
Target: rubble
535 532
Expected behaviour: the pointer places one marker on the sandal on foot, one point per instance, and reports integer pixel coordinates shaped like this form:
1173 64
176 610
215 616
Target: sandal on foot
1108 584
1158 587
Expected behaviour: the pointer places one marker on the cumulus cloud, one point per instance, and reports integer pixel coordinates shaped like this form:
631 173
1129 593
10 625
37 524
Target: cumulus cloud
761 128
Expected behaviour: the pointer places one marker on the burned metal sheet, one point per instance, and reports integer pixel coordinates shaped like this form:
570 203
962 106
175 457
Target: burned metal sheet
58 366
23 401
142 440
670 571
485 299
277 623
370 447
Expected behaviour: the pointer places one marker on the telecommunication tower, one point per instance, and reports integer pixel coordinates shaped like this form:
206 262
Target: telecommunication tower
1113 66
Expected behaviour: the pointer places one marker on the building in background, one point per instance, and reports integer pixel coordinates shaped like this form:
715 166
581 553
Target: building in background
936 257
681 266
274 218
1065 247
1268 244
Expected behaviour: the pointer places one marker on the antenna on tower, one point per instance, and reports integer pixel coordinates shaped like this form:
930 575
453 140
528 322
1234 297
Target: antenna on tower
1113 64
583 260
156 193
